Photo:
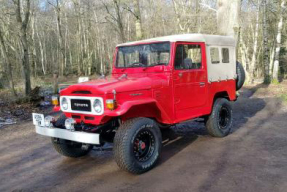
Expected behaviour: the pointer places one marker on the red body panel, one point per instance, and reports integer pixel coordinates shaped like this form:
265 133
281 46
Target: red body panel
160 92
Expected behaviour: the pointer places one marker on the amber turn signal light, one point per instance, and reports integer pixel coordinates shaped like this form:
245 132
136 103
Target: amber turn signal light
55 100
110 104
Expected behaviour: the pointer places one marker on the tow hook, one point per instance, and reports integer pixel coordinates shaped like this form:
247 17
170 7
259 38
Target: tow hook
103 147
85 146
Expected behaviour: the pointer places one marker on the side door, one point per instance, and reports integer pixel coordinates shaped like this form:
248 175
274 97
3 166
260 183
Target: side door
189 77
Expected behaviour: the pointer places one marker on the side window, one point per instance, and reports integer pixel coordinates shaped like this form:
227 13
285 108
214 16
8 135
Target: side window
132 57
214 55
188 57
225 55
152 58
121 62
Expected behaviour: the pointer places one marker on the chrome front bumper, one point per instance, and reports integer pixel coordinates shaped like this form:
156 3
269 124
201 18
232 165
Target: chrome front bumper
81 137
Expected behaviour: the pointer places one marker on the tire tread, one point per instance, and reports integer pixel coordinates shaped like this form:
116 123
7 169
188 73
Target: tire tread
122 143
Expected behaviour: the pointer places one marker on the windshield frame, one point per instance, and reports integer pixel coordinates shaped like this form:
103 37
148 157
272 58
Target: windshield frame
141 44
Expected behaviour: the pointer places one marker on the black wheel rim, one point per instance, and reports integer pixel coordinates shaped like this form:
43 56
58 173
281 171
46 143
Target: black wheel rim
224 117
144 145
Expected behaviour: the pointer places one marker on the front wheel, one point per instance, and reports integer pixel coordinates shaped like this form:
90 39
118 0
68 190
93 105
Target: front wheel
70 148
219 122
137 145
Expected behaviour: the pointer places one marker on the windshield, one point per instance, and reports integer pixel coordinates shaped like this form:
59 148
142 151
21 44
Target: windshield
143 55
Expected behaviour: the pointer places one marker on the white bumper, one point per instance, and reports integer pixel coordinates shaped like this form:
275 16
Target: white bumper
81 137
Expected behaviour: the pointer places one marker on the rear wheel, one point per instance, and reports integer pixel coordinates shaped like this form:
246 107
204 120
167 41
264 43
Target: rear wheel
70 148
137 145
219 122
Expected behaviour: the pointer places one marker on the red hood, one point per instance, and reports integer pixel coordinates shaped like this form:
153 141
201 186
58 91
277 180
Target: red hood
102 86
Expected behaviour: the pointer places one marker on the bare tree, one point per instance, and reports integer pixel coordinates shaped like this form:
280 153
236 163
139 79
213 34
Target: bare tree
62 47
117 18
228 12
137 14
255 46
265 43
279 41
23 25
7 63
79 36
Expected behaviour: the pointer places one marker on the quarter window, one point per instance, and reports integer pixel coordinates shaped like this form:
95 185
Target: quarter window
225 55
214 55
188 57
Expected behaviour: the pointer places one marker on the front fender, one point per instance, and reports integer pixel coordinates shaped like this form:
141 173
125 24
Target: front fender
140 108
125 107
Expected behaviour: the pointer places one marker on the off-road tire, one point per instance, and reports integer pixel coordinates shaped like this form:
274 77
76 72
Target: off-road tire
164 126
214 123
60 122
70 148
124 143
240 75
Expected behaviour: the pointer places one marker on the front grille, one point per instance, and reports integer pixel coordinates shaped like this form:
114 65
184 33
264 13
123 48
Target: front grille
89 118
76 116
81 105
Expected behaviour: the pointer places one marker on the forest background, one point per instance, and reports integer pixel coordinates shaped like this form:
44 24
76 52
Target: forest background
78 37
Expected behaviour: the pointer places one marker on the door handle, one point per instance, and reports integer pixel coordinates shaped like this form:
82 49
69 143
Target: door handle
180 74
202 84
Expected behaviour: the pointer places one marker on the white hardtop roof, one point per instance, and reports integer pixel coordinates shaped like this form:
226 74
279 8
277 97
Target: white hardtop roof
208 39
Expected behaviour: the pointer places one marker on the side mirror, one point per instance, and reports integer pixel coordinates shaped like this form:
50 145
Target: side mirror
83 79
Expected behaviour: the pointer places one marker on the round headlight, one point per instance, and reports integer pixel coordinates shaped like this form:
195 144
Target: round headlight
98 106
64 103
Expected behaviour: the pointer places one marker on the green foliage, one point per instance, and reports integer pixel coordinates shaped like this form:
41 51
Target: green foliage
284 97
275 82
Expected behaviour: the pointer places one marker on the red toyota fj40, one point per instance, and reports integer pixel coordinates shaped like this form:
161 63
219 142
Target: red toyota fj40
155 83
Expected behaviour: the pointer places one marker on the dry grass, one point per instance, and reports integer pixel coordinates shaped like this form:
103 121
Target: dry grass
277 90
284 97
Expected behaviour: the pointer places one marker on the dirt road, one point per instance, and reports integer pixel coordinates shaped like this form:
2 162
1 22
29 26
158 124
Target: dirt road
252 158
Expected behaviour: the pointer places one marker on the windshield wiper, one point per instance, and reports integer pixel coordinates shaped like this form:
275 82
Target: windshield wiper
157 64
137 65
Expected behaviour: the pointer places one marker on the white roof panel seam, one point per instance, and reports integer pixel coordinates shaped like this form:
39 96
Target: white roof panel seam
207 39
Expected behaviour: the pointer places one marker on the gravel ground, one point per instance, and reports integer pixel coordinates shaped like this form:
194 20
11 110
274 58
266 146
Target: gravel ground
252 158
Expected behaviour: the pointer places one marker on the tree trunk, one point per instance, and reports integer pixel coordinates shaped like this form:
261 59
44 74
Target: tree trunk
175 6
255 46
7 63
271 60
41 51
275 75
24 42
139 33
119 21
61 39
265 44
228 12
244 57
198 16
33 45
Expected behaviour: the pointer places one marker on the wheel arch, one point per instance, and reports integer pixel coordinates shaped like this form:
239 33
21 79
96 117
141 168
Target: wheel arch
222 94
148 110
